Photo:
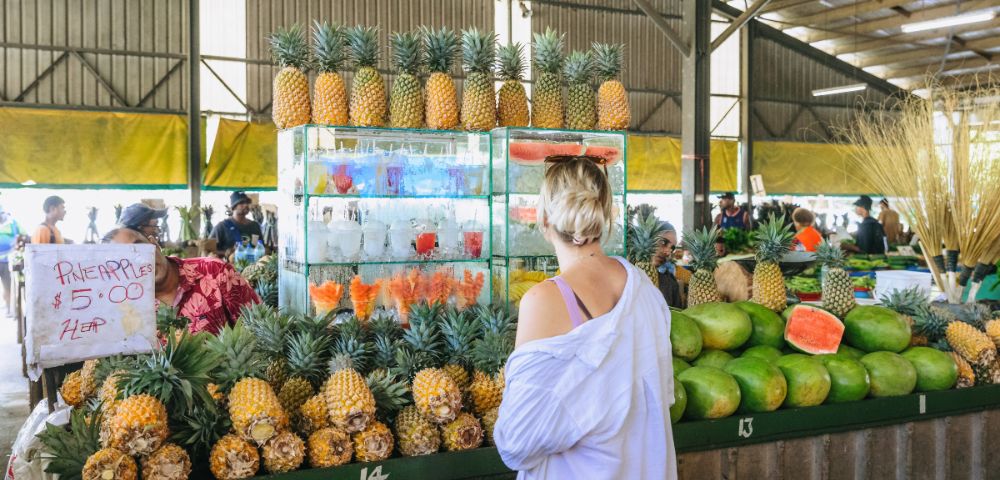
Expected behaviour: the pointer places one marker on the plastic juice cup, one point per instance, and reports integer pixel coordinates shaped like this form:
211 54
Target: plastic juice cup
473 244
425 242
394 179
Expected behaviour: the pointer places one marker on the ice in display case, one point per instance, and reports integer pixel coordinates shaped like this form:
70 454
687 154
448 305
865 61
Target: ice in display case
382 205
521 256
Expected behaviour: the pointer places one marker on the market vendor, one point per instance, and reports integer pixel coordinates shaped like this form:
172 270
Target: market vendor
208 291
239 227
665 267
143 219
732 215
806 236
889 219
870 238
55 211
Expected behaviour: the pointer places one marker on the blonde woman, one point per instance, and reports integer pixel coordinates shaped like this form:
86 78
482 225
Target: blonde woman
590 382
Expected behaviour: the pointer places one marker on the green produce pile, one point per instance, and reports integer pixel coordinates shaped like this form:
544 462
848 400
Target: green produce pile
863 264
863 282
736 240
803 284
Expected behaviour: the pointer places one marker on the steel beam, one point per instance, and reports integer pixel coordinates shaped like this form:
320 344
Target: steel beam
194 111
695 114
97 75
746 110
738 22
163 80
34 83
660 23
893 22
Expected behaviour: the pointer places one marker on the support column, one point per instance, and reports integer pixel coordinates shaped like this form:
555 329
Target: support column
194 111
695 105
747 36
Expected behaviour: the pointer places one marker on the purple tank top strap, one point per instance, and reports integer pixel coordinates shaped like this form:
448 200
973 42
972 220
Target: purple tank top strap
569 298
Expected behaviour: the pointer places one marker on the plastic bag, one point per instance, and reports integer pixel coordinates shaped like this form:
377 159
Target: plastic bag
26 461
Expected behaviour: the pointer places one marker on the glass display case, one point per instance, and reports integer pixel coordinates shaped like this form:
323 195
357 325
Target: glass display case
378 206
521 256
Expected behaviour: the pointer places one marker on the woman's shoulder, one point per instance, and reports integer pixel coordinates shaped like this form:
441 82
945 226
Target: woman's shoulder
539 311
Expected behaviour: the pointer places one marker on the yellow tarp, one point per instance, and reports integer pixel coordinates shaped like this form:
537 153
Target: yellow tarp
790 168
654 164
60 148
245 156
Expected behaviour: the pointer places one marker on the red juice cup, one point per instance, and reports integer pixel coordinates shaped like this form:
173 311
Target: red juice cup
425 243
473 244
394 179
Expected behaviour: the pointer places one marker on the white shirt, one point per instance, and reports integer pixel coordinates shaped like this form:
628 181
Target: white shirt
594 403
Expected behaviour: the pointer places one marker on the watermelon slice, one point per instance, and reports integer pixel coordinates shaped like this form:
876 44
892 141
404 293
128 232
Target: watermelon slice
565 149
528 152
610 154
813 330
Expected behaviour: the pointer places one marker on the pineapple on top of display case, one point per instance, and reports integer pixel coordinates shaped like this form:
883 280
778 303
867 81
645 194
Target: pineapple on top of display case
581 111
613 111
329 92
704 258
547 107
290 94
368 102
512 101
838 292
478 98
406 102
441 99
773 238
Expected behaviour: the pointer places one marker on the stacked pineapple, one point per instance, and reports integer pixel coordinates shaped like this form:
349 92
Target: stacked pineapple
547 108
329 92
512 101
581 111
406 102
701 245
290 93
644 239
613 111
838 292
441 99
478 57
368 100
774 238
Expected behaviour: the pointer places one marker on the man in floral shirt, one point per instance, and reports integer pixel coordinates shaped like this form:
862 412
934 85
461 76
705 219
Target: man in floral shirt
207 291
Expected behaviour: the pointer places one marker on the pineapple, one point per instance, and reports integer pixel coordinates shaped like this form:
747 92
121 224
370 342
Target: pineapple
966 377
436 395
233 457
313 415
139 425
390 393
68 450
386 333
306 365
406 103
272 332
255 410
987 373
911 303
236 348
773 240
838 292
416 435
701 245
177 374
290 95
463 433
512 101
368 103
283 453
460 331
993 331
199 430
72 389
329 447
374 443
581 111
110 464
546 96
490 353
644 239
478 98
329 105
441 99
351 349
169 462
612 99
973 345
489 420
349 402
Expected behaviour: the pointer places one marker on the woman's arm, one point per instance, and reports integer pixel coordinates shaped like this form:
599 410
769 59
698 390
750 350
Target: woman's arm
533 424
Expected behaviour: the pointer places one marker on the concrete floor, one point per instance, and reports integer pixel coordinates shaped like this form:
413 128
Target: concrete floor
13 387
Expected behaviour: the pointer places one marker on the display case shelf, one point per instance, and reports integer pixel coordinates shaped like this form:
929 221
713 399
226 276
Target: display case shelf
402 262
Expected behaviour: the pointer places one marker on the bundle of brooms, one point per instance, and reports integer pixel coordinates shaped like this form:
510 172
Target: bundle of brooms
939 157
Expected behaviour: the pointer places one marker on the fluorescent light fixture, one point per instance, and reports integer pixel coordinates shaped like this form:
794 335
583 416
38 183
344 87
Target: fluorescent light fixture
857 87
949 21
28 183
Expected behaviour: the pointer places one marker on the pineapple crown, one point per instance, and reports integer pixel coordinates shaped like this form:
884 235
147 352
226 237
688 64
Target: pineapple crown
363 44
410 361
328 46
701 245
490 352
608 60
478 51
289 46
236 348
510 62
442 46
909 301
579 67
390 393
774 238
349 352
549 51
177 374
407 52
829 255
69 449
459 334
644 237
930 322
198 430
307 356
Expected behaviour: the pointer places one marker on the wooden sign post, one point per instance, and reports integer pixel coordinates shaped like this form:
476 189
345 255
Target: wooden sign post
87 301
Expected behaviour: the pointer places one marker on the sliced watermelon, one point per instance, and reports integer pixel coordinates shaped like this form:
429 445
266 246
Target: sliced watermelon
565 149
528 152
813 330
609 154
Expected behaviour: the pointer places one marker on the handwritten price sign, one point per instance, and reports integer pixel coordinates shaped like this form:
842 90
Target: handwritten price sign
88 301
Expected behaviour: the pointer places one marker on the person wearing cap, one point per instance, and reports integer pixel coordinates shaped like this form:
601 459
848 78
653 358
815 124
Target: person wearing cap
239 227
663 261
870 238
732 215
55 211
143 219
889 219
9 233
806 236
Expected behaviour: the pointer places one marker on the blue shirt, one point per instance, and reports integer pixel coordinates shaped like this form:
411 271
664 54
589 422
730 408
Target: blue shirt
9 231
